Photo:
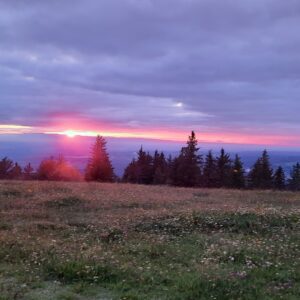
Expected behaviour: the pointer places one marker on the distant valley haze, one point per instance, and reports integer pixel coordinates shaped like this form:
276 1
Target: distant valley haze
36 147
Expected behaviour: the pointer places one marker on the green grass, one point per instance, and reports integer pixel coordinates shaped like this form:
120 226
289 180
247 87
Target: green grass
80 241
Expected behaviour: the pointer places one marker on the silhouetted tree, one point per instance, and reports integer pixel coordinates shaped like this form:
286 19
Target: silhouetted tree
173 165
279 179
144 167
237 173
28 172
294 182
209 178
170 169
186 166
140 170
16 172
261 174
130 172
99 167
6 165
160 168
223 163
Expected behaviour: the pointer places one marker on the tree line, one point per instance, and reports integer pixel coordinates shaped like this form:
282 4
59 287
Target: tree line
192 169
189 169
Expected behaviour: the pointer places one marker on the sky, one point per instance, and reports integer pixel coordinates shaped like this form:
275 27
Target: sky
153 69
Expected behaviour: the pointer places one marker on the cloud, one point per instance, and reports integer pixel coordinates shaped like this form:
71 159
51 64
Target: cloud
232 65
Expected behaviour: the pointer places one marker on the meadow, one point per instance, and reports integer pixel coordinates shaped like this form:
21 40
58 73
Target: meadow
121 241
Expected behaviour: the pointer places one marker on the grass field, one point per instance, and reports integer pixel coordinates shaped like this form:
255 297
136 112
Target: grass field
117 241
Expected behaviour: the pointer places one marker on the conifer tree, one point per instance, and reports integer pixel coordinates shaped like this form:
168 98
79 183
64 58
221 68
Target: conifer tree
223 169
6 166
16 172
209 171
261 175
130 172
279 179
170 170
174 177
294 182
28 172
99 167
237 173
187 165
144 167
160 168
140 170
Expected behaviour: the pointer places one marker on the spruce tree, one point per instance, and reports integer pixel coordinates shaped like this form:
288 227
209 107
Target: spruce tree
28 172
261 175
170 170
144 167
187 164
140 170
209 178
15 172
237 173
223 169
279 179
130 172
99 167
160 168
294 182
6 166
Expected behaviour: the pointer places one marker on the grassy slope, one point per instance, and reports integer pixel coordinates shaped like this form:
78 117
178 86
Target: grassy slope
114 241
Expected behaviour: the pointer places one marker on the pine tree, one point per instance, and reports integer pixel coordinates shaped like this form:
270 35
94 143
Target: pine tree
28 172
6 166
15 172
294 182
279 179
223 169
261 175
170 170
187 165
99 167
160 168
130 172
174 176
140 170
210 171
237 173
144 167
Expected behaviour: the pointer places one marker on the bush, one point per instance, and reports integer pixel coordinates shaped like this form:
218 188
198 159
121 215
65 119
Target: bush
58 169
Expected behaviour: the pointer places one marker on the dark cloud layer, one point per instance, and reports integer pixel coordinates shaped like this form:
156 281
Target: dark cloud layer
234 65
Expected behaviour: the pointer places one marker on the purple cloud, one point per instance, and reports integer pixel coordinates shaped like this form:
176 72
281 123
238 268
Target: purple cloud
233 65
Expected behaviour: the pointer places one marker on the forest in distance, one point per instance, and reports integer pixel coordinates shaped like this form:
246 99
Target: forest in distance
190 168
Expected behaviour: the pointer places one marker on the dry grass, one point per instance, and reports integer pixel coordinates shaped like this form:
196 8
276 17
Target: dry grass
115 228
23 204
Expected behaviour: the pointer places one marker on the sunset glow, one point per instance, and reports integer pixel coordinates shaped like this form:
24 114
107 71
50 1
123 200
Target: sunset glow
171 134
195 100
142 83
70 133
14 129
180 136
